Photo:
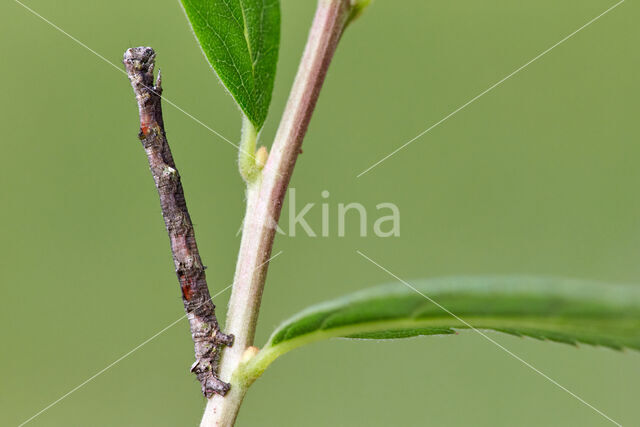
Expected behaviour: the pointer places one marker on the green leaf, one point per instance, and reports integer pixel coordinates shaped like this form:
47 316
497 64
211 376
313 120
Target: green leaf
240 38
561 310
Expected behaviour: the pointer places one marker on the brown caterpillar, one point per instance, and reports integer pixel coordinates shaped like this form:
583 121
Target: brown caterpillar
205 331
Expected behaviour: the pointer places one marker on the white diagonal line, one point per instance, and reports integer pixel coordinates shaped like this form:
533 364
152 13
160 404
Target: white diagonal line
124 356
491 340
119 68
100 372
490 88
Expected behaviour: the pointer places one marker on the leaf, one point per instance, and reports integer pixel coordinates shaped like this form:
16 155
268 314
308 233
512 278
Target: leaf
240 38
561 310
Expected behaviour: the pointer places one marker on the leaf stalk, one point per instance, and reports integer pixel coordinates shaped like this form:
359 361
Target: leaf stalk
247 163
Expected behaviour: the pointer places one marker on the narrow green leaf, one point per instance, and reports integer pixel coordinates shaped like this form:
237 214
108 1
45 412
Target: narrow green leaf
561 310
240 38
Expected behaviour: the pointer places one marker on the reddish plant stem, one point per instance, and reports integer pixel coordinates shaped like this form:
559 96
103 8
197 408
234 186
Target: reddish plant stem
207 337
264 202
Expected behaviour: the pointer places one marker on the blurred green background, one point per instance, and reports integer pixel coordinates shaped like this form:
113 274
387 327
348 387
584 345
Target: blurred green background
539 176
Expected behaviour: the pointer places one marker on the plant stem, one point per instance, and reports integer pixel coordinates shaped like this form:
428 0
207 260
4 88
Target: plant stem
207 337
265 196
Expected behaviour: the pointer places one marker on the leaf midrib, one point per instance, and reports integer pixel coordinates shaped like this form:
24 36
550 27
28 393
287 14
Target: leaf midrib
270 352
531 322
246 38
224 43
